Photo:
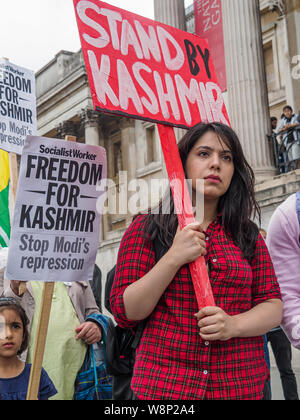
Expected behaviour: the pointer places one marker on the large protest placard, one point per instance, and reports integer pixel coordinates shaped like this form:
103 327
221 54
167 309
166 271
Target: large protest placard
147 70
55 231
150 71
17 106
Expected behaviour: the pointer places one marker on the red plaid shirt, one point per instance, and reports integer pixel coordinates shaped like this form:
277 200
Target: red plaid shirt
172 361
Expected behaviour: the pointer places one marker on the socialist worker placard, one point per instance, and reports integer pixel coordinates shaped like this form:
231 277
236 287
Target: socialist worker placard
17 106
56 224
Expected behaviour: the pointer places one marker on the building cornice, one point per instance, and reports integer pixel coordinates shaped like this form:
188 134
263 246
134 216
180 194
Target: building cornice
71 83
278 6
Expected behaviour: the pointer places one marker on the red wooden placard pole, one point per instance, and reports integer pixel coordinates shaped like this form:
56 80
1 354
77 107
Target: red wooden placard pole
184 209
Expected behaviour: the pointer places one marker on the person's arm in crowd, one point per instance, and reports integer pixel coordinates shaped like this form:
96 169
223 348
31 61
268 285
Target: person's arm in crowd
280 129
283 126
292 125
90 331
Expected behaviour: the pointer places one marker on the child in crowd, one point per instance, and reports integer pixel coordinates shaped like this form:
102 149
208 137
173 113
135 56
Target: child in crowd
14 337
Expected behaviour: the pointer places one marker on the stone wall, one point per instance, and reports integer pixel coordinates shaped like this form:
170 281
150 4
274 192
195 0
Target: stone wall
271 193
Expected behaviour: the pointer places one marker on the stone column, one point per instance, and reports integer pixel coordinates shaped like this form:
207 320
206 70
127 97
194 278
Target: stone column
292 68
90 121
170 12
128 147
67 128
247 91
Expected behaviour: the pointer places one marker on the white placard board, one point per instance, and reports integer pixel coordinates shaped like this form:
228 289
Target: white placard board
56 223
17 106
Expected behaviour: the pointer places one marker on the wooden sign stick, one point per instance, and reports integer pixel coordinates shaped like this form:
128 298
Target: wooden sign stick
40 342
41 334
184 209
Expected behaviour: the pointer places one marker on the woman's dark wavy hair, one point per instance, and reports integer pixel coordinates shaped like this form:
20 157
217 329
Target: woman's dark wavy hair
238 205
11 303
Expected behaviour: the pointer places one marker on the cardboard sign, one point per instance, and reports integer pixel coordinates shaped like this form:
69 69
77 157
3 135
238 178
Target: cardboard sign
17 106
147 70
55 231
209 25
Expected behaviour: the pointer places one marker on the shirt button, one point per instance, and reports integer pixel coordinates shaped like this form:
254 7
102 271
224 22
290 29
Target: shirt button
207 238
215 260
206 343
205 372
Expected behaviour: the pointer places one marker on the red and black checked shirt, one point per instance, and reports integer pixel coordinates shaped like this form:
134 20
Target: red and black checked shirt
172 361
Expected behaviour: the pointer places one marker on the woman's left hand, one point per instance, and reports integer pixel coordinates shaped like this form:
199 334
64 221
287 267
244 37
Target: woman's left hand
215 324
89 332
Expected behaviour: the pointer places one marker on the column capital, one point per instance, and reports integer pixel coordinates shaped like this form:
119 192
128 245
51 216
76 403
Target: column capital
67 128
90 121
278 6
89 117
126 123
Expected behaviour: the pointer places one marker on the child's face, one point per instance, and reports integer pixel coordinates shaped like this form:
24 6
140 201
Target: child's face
11 333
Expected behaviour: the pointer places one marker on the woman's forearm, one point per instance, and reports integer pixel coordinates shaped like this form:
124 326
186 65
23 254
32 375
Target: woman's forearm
141 297
259 320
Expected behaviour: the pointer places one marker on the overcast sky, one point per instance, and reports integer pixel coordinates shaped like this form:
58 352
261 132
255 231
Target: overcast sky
32 32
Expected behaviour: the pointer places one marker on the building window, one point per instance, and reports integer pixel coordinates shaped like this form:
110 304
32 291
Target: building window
270 67
117 152
151 145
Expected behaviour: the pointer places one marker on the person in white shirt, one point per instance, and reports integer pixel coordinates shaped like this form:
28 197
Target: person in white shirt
290 135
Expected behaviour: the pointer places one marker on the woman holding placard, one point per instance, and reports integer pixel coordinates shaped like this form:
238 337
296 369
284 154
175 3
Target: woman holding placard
217 352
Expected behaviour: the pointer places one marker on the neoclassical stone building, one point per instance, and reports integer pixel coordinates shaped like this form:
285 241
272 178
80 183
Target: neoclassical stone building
134 154
133 151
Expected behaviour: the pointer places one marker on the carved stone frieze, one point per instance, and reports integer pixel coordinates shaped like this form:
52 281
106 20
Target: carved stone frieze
278 6
67 128
89 117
